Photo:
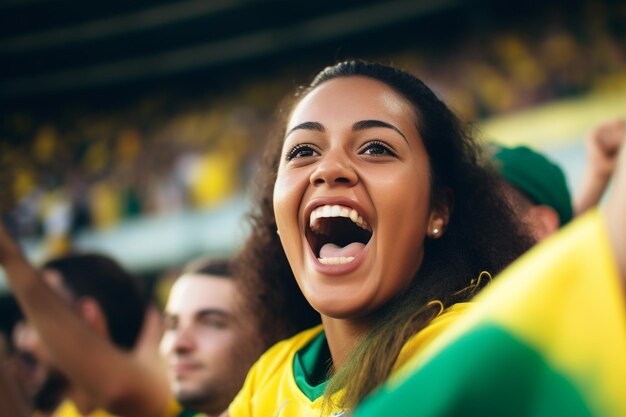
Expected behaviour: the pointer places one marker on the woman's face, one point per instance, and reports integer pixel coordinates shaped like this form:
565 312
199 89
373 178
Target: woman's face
352 196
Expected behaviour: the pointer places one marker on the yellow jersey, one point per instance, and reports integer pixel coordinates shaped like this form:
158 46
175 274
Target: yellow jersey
276 385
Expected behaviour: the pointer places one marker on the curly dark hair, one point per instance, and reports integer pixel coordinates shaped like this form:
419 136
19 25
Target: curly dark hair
482 234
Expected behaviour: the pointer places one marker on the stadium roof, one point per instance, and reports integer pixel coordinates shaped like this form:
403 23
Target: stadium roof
51 46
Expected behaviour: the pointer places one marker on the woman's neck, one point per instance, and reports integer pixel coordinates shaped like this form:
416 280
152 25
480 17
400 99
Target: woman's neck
342 336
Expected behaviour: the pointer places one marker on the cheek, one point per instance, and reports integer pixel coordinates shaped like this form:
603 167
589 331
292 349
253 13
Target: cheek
216 345
288 192
165 347
280 201
404 198
404 209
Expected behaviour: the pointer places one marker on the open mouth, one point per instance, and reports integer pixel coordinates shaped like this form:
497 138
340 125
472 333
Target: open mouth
337 233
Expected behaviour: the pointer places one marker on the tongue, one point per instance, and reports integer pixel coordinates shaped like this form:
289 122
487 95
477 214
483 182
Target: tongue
330 250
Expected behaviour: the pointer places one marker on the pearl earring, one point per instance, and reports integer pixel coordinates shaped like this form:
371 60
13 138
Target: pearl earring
435 231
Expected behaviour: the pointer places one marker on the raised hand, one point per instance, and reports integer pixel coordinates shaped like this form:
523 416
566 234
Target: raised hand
602 147
615 211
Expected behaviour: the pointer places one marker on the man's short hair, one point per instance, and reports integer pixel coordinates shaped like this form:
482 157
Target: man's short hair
114 289
207 266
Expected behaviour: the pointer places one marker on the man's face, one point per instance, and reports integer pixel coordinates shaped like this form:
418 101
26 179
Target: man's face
42 383
209 343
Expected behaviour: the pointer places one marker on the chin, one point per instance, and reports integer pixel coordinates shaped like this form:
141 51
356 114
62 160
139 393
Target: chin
336 307
190 398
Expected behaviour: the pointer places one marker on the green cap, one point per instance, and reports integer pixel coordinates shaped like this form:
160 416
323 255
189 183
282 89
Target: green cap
536 176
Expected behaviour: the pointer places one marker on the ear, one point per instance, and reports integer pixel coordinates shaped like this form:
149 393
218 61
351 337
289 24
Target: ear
543 221
91 312
440 214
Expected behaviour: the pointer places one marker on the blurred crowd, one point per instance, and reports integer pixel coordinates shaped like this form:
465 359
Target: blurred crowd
95 172
91 169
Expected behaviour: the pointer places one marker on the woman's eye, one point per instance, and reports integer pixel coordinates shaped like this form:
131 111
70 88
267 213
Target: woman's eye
377 149
301 151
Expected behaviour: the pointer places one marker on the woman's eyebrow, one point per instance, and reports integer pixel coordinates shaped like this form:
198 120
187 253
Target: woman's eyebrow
368 124
307 126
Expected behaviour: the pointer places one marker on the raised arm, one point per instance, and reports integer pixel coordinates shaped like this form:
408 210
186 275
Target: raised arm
114 379
615 212
602 148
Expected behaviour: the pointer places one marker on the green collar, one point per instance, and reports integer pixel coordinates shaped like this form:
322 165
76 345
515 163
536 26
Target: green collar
311 365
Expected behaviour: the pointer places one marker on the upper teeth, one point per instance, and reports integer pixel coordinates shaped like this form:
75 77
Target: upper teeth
336 211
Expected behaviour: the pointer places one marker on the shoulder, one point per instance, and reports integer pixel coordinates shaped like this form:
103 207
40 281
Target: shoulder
66 409
271 380
422 339
284 351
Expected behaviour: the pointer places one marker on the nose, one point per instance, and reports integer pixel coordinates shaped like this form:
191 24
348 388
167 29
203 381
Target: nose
334 168
183 340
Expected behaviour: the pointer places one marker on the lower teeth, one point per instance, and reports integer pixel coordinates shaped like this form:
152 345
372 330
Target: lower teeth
336 261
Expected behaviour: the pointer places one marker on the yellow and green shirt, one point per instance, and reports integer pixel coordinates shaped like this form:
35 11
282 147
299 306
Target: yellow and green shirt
68 409
547 338
174 409
290 378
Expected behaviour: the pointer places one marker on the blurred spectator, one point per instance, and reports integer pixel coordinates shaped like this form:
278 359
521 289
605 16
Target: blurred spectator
181 153
42 384
536 189
211 337
11 401
215 331
88 295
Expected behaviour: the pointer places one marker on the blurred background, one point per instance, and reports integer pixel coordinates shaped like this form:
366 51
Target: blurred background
133 128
